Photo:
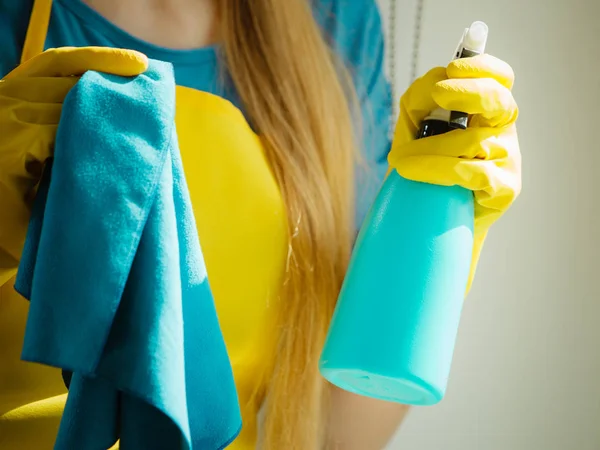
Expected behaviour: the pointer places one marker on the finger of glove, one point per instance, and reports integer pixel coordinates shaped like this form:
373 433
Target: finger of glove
494 186
69 61
472 143
416 104
35 113
482 66
33 101
23 149
36 90
492 102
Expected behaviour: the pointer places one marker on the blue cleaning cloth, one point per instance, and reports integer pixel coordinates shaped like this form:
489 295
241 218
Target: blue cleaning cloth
116 279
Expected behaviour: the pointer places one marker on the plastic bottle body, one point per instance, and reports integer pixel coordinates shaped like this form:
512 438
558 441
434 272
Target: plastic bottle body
393 332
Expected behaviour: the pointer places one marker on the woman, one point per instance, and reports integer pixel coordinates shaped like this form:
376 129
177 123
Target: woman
289 246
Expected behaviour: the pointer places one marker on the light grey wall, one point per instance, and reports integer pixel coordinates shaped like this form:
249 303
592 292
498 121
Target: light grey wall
526 373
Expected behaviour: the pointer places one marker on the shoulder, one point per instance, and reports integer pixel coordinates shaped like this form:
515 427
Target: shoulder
14 17
354 30
346 10
345 22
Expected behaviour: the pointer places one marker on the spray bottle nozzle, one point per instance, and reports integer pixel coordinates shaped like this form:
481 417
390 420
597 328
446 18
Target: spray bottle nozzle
476 37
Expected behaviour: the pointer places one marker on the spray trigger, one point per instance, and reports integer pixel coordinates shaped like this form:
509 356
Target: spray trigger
459 47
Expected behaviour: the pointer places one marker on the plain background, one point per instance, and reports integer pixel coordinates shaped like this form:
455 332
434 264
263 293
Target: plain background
526 371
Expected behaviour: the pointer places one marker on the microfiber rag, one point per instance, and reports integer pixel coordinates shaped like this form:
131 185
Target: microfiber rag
116 280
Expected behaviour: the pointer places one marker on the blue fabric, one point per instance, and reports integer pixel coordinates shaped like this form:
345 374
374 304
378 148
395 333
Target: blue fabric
116 278
352 27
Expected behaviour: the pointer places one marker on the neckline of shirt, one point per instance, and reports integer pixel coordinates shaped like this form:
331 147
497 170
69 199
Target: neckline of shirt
92 18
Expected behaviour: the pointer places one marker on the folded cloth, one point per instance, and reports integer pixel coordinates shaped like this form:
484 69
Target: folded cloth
114 272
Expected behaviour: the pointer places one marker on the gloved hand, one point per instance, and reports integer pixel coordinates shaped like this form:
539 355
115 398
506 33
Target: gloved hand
484 158
31 98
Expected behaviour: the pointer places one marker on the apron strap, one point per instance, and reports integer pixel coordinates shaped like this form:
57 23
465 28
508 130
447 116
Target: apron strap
37 29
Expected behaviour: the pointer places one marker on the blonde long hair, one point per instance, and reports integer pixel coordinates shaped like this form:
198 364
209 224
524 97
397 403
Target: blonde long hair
291 88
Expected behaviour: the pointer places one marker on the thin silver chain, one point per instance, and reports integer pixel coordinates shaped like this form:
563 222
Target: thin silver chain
392 46
391 41
417 40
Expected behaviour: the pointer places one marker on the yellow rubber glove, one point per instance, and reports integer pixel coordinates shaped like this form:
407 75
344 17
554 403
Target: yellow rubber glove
31 99
484 158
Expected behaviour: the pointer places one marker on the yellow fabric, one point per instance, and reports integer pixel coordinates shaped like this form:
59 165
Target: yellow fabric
32 396
242 226
485 158
238 209
36 32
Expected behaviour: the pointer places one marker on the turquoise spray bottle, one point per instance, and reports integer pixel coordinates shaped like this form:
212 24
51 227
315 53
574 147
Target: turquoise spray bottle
393 332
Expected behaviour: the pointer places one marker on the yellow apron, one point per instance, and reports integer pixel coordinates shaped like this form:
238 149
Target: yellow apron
243 229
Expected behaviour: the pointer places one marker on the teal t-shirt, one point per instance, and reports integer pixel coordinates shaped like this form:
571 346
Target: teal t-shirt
352 27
